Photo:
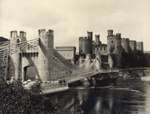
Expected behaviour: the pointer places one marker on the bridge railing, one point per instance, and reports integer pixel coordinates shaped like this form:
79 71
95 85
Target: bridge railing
22 46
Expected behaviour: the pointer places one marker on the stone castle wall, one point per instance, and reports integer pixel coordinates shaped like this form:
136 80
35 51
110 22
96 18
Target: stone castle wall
68 52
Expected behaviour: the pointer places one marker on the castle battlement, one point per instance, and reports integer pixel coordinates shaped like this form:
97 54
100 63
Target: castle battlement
83 38
125 39
15 38
140 42
66 48
111 37
43 32
132 41
89 35
110 32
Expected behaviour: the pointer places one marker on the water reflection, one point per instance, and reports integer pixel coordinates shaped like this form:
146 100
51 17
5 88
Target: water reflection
133 100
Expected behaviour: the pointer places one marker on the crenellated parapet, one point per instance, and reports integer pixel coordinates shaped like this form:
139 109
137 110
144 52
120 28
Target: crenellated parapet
110 32
68 52
65 48
102 49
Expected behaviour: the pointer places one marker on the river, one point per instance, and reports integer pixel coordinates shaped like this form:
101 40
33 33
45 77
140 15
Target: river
107 100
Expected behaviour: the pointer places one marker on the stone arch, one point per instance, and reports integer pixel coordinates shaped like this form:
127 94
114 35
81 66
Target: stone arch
29 73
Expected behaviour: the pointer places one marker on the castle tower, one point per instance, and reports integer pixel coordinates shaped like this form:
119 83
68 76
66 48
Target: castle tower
45 57
16 57
140 46
125 44
90 39
90 36
110 32
118 46
132 44
85 44
113 42
97 40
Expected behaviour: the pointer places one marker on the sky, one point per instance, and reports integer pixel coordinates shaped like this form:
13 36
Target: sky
71 19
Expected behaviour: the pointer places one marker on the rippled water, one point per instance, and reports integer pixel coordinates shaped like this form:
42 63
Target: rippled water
108 100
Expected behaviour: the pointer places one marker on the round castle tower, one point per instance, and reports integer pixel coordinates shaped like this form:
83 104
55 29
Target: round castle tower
140 46
45 56
85 44
125 44
132 44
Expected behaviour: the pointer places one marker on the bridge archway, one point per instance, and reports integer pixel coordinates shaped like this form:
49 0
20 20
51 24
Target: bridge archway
29 73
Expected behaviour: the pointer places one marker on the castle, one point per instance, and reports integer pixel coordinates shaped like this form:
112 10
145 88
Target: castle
116 45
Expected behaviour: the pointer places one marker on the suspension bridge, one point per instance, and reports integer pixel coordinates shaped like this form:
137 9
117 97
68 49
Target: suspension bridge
49 65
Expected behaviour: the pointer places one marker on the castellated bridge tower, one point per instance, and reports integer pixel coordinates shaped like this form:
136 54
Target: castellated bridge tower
85 44
125 44
140 46
16 57
45 57
23 36
132 44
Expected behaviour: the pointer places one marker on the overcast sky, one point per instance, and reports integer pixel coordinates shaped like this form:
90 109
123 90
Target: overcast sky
71 19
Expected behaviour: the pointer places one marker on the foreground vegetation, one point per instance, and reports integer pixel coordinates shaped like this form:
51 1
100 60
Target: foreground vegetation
14 99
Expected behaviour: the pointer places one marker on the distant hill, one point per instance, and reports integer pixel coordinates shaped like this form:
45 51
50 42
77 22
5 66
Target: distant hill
3 39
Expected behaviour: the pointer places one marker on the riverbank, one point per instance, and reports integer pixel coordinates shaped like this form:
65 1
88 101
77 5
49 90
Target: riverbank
54 90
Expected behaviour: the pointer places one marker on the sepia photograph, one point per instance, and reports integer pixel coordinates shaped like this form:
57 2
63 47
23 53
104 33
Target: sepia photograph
74 56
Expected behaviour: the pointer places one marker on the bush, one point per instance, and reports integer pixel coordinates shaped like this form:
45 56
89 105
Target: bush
14 99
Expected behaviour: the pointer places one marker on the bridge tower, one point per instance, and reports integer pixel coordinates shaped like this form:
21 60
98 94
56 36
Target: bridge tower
16 57
45 56
23 36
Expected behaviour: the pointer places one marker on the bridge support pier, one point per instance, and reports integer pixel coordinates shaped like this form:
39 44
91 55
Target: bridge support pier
45 57
16 57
